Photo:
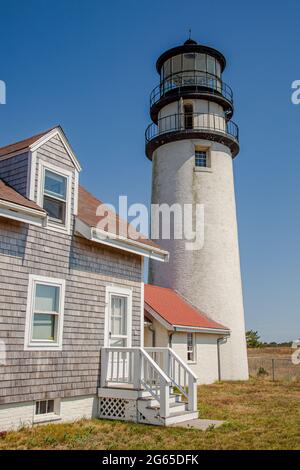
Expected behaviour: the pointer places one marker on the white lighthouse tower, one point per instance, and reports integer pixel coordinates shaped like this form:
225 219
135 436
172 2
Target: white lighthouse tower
192 143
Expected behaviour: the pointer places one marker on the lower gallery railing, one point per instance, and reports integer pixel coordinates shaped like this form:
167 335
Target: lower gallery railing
153 369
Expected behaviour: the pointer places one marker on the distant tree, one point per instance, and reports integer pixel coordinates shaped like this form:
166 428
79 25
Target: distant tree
253 339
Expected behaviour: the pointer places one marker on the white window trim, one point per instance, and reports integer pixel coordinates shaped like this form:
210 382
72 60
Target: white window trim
42 345
43 166
194 361
43 418
123 292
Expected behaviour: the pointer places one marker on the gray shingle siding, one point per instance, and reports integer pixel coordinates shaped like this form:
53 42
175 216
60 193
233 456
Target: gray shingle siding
87 269
14 170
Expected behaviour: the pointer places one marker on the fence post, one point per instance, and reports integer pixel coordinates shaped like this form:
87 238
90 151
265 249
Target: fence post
273 370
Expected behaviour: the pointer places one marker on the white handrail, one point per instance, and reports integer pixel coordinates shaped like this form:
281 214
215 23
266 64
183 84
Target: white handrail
136 367
180 374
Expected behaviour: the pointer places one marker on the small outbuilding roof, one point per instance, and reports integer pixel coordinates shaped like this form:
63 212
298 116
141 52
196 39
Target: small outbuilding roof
169 307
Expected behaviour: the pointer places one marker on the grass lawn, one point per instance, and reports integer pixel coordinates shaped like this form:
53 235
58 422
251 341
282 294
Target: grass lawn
259 414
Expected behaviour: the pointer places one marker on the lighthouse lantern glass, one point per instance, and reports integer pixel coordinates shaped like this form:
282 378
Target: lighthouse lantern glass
188 62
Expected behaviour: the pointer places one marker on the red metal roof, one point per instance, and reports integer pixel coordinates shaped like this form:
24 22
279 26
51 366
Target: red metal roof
175 310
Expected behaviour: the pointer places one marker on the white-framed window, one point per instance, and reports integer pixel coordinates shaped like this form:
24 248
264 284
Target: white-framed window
201 158
45 311
191 347
54 195
47 410
118 319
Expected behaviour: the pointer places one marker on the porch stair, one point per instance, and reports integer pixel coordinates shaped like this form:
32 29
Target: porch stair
149 411
161 386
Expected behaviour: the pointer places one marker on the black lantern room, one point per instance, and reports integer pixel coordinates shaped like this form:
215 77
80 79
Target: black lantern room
187 72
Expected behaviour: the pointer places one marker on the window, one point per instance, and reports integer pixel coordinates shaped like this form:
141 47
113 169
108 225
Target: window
44 318
201 158
44 407
188 116
55 193
47 410
191 347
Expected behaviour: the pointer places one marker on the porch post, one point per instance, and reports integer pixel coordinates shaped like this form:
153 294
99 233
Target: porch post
104 367
137 369
192 403
164 399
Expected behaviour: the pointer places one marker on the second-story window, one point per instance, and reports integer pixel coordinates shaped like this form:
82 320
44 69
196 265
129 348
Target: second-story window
55 193
201 158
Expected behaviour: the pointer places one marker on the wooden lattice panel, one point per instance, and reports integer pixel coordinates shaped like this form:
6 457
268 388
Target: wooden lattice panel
112 408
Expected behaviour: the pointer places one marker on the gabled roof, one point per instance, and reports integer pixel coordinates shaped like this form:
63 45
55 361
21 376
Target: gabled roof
23 144
122 235
117 228
34 142
172 309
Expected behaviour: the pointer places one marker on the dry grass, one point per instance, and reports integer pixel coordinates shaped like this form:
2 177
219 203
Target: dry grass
259 415
272 352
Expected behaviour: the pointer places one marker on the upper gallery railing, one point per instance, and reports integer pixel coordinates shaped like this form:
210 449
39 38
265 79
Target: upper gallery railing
192 122
202 81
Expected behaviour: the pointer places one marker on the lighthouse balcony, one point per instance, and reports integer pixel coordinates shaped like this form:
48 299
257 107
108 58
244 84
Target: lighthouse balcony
181 126
191 84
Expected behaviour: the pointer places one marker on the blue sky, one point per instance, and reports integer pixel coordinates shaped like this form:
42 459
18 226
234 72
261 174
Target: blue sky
90 67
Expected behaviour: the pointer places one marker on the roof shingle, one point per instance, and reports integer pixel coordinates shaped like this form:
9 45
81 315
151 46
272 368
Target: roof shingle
87 213
22 144
7 193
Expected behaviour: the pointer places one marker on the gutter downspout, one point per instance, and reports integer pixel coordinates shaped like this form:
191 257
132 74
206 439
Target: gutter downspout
222 340
170 339
153 335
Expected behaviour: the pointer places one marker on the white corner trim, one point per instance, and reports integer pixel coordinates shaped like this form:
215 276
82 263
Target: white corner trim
29 345
76 186
57 131
122 243
142 304
43 166
31 175
24 214
122 292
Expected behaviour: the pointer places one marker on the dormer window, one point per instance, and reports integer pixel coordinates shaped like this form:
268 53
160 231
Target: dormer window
55 194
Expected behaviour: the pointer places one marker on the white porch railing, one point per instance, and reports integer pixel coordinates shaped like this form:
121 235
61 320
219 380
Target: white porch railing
182 377
152 369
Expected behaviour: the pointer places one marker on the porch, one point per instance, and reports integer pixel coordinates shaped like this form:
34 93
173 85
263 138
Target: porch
149 385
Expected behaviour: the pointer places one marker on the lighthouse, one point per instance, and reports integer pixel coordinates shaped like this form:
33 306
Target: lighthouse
192 143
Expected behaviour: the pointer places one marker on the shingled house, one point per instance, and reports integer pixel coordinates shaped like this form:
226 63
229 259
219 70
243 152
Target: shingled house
72 302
